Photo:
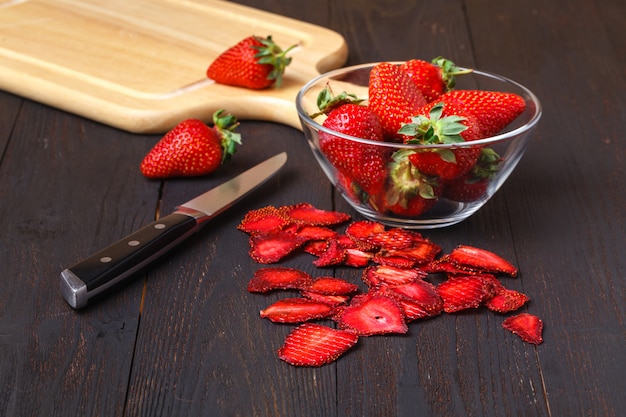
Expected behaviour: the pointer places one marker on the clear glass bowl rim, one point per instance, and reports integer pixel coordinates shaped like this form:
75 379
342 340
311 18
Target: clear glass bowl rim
501 137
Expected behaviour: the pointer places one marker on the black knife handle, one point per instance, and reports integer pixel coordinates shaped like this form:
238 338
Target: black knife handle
98 274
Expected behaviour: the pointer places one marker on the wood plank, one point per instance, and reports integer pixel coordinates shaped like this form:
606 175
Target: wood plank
212 349
68 187
565 239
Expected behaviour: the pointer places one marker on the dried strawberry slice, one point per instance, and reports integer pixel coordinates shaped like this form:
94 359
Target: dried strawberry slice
264 220
395 238
377 275
316 233
332 286
464 292
312 344
481 259
363 229
279 278
421 253
335 254
398 261
444 265
272 247
316 247
333 300
491 279
423 297
357 258
306 213
506 300
371 314
527 326
296 310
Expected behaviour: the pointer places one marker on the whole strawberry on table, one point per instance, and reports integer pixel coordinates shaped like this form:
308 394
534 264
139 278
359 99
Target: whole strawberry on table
193 148
254 63
415 103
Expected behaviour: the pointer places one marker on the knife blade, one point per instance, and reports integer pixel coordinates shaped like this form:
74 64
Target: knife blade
107 269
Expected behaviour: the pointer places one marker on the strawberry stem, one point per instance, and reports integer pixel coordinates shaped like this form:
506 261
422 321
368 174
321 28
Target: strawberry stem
449 70
407 181
434 129
271 54
327 101
225 126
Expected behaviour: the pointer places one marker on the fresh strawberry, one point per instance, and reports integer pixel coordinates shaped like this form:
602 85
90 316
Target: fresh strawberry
527 326
493 110
254 63
312 344
272 247
370 314
360 164
192 148
296 310
409 193
332 286
481 260
307 214
393 97
472 185
443 123
433 78
279 278
464 292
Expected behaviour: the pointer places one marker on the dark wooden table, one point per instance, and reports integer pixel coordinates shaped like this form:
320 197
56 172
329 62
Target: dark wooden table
185 339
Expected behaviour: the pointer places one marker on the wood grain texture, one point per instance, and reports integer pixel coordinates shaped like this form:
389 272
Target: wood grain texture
140 65
186 339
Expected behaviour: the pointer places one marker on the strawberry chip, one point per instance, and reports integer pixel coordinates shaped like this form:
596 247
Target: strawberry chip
306 213
333 300
506 300
363 229
279 278
296 310
371 314
332 286
313 344
264 220
527 326
375 276
464 292
482 260
335 254
270 248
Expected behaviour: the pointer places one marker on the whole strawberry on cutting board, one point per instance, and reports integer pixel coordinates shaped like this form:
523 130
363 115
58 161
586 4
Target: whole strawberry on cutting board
193 148
150 75
254 63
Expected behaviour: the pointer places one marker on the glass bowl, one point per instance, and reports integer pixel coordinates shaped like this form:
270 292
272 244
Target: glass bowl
445 209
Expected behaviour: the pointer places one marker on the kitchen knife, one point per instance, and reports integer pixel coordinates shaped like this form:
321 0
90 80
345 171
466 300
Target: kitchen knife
104 271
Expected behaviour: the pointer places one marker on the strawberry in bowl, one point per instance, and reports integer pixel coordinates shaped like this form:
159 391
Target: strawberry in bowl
416 144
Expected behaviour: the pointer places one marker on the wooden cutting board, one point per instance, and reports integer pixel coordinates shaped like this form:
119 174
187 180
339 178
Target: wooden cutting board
139 65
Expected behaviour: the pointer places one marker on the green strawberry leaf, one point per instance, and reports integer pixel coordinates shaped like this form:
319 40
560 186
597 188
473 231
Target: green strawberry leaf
229 139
